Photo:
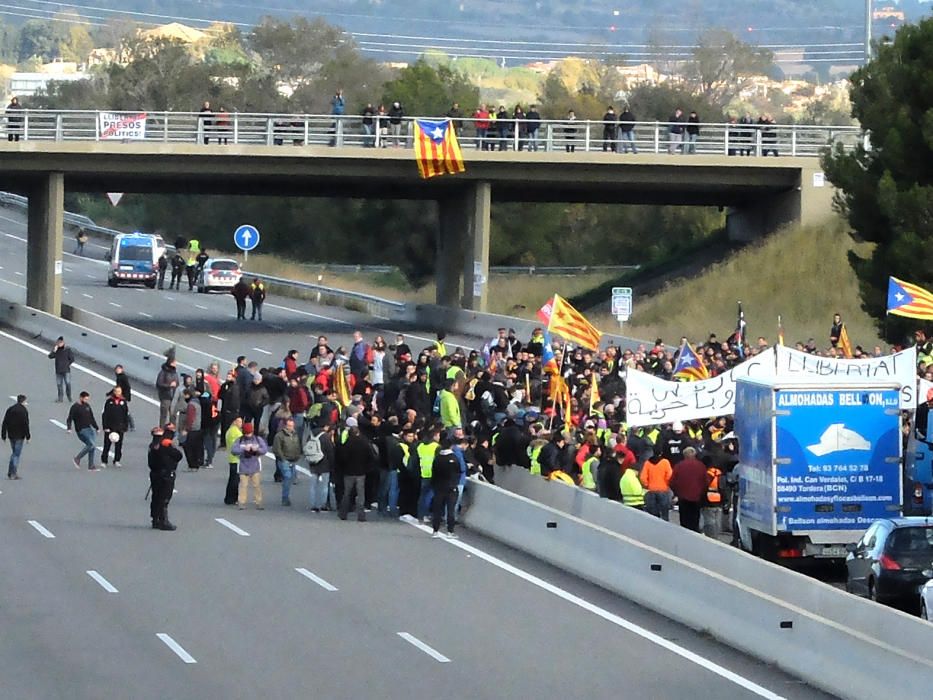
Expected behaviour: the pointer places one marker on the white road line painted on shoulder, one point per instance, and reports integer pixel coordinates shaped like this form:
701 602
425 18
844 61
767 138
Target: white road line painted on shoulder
81 368
113 303
230 526
638 630
417 643
58 423
18 273
104 583
86 295
303 470
69 269
41 530
176 647
264 352
10 235
178 325
218 338
317 579
143 313
203 308
90 276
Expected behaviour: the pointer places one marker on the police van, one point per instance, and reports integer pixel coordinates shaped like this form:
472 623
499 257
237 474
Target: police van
134 260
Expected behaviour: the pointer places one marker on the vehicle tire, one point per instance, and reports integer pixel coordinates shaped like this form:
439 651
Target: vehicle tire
201 289
151 285
924 613
111 282
872 594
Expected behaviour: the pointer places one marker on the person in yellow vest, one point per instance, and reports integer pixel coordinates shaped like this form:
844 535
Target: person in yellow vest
257 296
633 493
439 344
426 451
234 432
450 407
590 466
191 265
409 475
534 454
712 503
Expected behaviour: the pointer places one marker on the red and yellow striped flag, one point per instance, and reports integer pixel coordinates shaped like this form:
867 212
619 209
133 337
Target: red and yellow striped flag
437 149
844 343
341 386
569 323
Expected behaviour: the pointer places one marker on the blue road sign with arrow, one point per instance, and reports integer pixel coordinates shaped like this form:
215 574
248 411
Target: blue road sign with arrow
246 237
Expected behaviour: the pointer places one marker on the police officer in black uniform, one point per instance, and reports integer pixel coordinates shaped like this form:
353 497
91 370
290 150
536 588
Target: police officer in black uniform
163 461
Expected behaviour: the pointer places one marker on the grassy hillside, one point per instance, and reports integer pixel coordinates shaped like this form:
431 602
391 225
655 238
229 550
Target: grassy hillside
801 273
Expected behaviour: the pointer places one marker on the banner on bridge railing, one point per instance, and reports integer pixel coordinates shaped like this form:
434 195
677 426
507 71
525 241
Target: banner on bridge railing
126 127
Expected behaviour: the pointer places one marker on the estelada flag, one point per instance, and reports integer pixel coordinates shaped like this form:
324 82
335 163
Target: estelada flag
844 343
341 386
569 323
906 299
594 393
544 313
436 148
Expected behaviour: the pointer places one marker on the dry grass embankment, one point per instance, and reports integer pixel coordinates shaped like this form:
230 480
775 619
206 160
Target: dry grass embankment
801 273
514 295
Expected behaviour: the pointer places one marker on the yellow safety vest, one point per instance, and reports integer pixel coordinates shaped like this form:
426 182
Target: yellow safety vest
535 465
589 478
230 437
603 435
633 493
344 434
441 348
452 372
426 452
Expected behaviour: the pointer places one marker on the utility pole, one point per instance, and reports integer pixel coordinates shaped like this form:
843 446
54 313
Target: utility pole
868 20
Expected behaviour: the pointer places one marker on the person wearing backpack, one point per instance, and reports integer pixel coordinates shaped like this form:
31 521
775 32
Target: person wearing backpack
319 451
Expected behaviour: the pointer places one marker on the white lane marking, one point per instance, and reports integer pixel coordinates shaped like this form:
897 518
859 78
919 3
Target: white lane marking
113 303
170 297
104 583
415 642
58 423
10 235
91 373
41 530
143 313
308 313
638 630
18 273
86 295
68 269
317 579
14 284
90 276
176 647
218 338
303 470
264 352
230 526
198 306
178 325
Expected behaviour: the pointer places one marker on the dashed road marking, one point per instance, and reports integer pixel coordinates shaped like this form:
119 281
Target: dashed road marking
86 295
143 313
218 338
58 423
178 325
113 303
418 644
317 579
230 526
176 647
264 352
41 530
104 583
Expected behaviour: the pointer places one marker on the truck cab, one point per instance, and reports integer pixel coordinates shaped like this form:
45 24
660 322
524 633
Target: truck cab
133 260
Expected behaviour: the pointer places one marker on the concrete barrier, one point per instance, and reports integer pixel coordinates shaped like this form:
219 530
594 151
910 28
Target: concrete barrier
827 654
881 622
103 340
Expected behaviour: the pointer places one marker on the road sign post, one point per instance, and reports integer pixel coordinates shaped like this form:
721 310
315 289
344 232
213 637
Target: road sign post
622 304
246 238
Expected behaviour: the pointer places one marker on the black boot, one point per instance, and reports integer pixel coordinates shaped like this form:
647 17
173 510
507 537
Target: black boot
156 524
166 525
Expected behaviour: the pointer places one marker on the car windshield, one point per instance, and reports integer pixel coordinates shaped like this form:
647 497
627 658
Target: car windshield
912 541
132 253
223 265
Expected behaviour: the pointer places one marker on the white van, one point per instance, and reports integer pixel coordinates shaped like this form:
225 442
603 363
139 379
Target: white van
134 260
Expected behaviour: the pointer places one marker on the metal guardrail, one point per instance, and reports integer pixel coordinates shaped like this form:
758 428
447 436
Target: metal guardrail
385 131
558 270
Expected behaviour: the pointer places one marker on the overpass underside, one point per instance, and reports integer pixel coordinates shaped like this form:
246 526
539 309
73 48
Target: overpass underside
760 193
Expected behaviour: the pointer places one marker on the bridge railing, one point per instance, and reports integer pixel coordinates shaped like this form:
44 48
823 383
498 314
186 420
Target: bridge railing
568 136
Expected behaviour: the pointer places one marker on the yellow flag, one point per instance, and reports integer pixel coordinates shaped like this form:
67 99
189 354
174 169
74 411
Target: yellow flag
569 323
341 386
594 393
844 344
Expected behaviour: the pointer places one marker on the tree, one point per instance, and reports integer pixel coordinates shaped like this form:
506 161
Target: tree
720 62
886 192
42 39
430 91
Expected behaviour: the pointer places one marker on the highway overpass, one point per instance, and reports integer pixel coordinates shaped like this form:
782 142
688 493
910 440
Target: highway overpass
761 193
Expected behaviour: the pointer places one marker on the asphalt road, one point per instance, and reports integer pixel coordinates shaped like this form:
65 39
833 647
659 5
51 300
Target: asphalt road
203 321
381 609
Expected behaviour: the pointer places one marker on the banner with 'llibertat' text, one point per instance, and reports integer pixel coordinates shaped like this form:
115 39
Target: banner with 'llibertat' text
129 127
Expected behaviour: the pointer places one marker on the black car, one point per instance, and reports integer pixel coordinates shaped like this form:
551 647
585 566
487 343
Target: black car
887 564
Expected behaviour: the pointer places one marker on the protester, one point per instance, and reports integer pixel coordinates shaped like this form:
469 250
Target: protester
64 359
250 448
81 418
16 429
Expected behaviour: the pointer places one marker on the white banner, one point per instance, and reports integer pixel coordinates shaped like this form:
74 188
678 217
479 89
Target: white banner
650 400
130 127
899 368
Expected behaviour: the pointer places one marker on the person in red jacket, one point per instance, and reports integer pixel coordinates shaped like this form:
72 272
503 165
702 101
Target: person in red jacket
689 483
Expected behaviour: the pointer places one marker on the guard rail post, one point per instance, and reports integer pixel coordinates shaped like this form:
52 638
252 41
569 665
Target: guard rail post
793 141
657 138
586 137
58 127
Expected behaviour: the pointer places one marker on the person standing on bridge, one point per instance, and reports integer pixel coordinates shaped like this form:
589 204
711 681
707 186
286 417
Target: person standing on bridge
64 358
396 115
693 133
81 418
206 120
16 428
257 295
675 131
610 127
627 130
14 120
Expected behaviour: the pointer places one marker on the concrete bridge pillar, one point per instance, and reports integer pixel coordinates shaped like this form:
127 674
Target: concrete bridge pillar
810 202
44 246
463 245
